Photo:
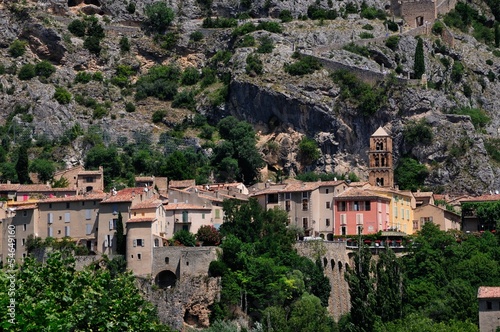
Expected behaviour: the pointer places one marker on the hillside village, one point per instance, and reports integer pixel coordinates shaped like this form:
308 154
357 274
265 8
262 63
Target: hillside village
155 209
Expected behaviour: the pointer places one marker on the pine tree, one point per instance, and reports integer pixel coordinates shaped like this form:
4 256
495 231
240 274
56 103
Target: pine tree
22 164
419 66
120 237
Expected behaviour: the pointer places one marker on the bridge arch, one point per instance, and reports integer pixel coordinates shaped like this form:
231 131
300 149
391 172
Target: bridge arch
166 279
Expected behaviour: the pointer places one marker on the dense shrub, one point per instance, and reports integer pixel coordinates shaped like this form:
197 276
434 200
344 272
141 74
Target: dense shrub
208 76
410 174
77 28
372 13
392 26
254 65
457 71
266 45
244 29
129 107
479 118
392 42
418 133
305 65
83 77
365 35
285 16
219 23
131 7
308 150
159 82
159 16
208 235
184 99
26 72
44 69
438 27
158 116
184 237
419 65
273 27
190 76
62 95
357 49
246 41
17 48
196 36
367 27
124 44
315 12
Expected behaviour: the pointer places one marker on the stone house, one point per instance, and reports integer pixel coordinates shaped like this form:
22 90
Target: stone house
431 213
82 180
470 220
24 219
489 308
189 217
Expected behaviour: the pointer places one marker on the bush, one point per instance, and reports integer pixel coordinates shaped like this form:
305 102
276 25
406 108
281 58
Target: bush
308 150
392 26
190 76
418 133
208 235
158 116
365 35
99 112
129 107
26 72
419 65
392 42
244 29
457 71
479 118
489 62
306 65
266 45
254 65
159 82
285 16
207 76
62 95
131 7
316 13
185 237
77 28
367 27
273 27
83 77
410 174
17 48
222 23
124 44
372 13
357 49
438 27
246 41
93 44
159 16
97 76
196 36
217 269
44 69
184 99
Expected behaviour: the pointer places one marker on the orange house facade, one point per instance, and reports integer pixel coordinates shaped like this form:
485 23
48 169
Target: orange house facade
360 211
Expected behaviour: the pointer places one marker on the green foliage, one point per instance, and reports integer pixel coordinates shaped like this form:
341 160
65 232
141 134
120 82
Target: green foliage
208 76
479 118
357 49
44 169
367 99
22 164
159 82
254 65
124 44
120 237
285 16
244 29
190 76
492 146
122 74
54 296
308 150
168 40
196 36
158 16
93 44
208 235
17 48
266 45
365 35
62 182
392 42
246 41
457 71
392 26
419 65
158 116
77 28
438 27
44 69
315 12
185 238
305 65
131 7
270 26
62 95
372 13
184 99
410 174
108 158
418 133
219 22
129 107
367 27
237 155
26 72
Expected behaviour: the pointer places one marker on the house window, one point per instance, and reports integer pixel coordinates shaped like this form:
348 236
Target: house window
368 206
25 213
203 215
288 195
89 179
342 206
67 205
287 206
139 257
217 214
83 203
344 230
327 190
88 229
50 205
489 305
157 243
272 198
67 217
167 260
415 224
328 205
184 216
23 241
356 206
305 205
24 227
88 214
139 243
327 222
360 229
305 223
66 231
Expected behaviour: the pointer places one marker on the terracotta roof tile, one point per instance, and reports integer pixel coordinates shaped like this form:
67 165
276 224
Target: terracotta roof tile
181 183
295 186
355 192
33 188
76 198
488 292
124 195
184 206
26 207
83 173
482 198
9 187
149 204
144 179
422 194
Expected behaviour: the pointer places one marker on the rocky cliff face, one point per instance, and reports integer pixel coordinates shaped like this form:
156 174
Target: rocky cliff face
282 107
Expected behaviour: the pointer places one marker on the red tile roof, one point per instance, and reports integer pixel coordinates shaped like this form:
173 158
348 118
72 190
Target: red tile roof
83 173
9 187
482 198
295 186
181 183
33 188
184 206
149 204
351 193
76 198
124 195
144 179
25 207
488 292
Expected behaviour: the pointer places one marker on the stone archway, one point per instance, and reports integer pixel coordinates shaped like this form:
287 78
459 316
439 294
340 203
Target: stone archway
166 279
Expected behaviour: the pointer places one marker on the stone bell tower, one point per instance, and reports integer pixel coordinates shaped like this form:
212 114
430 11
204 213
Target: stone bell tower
380 169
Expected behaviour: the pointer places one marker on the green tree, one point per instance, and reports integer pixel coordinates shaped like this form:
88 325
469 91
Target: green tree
121 240
410 174
54 296
419 65
389 286
124 44
44 69
108 158
26 72
185 237
208 235
44 168
77 28
22 164
308 315
308 150
17 48
190 76
159 16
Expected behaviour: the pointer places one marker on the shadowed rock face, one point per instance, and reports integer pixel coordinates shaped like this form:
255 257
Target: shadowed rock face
74 3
